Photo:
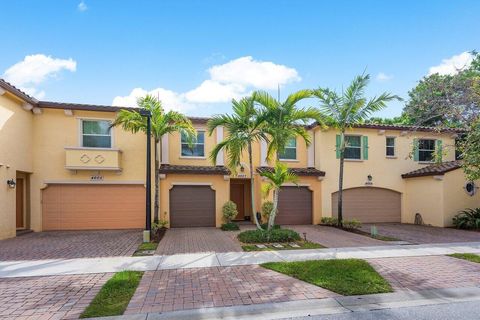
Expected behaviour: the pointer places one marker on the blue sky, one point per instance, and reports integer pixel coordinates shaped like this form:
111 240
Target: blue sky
94 51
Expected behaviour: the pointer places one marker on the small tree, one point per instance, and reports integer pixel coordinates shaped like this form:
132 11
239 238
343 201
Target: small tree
267 208
276 179
229 211
470 152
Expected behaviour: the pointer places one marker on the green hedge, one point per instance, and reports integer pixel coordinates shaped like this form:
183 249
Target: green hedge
264 236
231 226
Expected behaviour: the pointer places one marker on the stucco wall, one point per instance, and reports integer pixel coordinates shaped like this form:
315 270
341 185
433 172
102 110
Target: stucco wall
455 197
424 195
386 172
54 131
15 155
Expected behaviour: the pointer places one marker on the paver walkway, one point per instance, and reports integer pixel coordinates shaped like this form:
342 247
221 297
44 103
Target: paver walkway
70 244
51 297
423 234
172 290
197 240
335 238
429 272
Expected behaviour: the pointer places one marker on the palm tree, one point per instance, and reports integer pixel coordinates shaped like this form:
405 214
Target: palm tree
284 119
244 127
276 179
162 123
346 110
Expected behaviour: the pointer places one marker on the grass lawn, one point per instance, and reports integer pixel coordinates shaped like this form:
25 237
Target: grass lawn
145 246
344 276
467 256
113 298
302 244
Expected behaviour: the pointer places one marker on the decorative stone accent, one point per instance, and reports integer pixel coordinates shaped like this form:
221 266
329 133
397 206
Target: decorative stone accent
84 158
99 159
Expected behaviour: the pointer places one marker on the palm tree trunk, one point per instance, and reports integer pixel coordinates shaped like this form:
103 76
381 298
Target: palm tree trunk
252 185
157 183
273 214
340 179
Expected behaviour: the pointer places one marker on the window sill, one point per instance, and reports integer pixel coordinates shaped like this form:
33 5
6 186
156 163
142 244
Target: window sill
192 157
391 157
426 162
289 160
91 148
353 160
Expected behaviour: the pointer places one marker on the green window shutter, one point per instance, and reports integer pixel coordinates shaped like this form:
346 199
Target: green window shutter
439 150
365 147
337 145
415 150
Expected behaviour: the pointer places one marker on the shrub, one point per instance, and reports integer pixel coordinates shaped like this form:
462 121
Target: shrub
264 236
229 211
265 226
230 226
329 221
351 224
267 208
467 219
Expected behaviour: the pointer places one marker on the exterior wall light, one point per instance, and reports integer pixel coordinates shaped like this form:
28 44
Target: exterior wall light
369 180
11 183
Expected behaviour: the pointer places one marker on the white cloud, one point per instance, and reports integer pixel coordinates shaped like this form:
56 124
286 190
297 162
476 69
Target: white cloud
383 77
452 65
36 69
258 74
82 6
170 99
231 80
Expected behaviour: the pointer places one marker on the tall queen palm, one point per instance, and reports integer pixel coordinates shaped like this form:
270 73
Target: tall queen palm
162 123
244 127
346 110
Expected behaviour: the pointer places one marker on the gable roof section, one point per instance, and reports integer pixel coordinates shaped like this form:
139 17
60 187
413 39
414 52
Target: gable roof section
297 171
434 169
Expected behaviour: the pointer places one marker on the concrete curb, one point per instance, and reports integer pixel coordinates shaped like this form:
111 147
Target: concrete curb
313 307
9 269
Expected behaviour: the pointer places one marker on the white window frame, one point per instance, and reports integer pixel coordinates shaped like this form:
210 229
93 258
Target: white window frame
361 147
394 147
434 150
80 133
195 143
296 153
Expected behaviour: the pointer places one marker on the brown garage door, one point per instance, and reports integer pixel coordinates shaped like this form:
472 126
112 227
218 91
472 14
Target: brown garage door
294 206
192 206
83 207
369 204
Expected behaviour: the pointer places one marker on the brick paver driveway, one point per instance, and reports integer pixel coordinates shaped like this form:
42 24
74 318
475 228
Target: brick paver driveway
335 238
424 234
169 290
428 272
194 240
53 297
70 244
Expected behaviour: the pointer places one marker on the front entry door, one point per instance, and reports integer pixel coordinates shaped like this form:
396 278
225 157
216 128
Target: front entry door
237 195
19 203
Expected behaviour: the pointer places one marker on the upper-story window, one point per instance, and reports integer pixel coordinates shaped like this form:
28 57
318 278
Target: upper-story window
195 148
390 146
353 147
290 152
96 134
426 150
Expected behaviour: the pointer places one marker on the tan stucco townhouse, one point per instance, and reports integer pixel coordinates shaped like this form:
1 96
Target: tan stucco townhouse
63 168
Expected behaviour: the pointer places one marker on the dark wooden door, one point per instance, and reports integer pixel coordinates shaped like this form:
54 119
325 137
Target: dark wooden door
192 206
237 195
294 206
19 203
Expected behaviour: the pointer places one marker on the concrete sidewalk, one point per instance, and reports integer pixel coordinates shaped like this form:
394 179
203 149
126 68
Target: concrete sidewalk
198 260
304 308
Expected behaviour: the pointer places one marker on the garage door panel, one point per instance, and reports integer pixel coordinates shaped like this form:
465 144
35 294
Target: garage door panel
192 206
368 205
294 206
83 207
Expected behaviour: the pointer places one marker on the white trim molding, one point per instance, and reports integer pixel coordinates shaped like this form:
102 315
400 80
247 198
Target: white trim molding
68 112
263 153
165 155
191 184
27 106
2 91
220 159
439 177
36 110
47 182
